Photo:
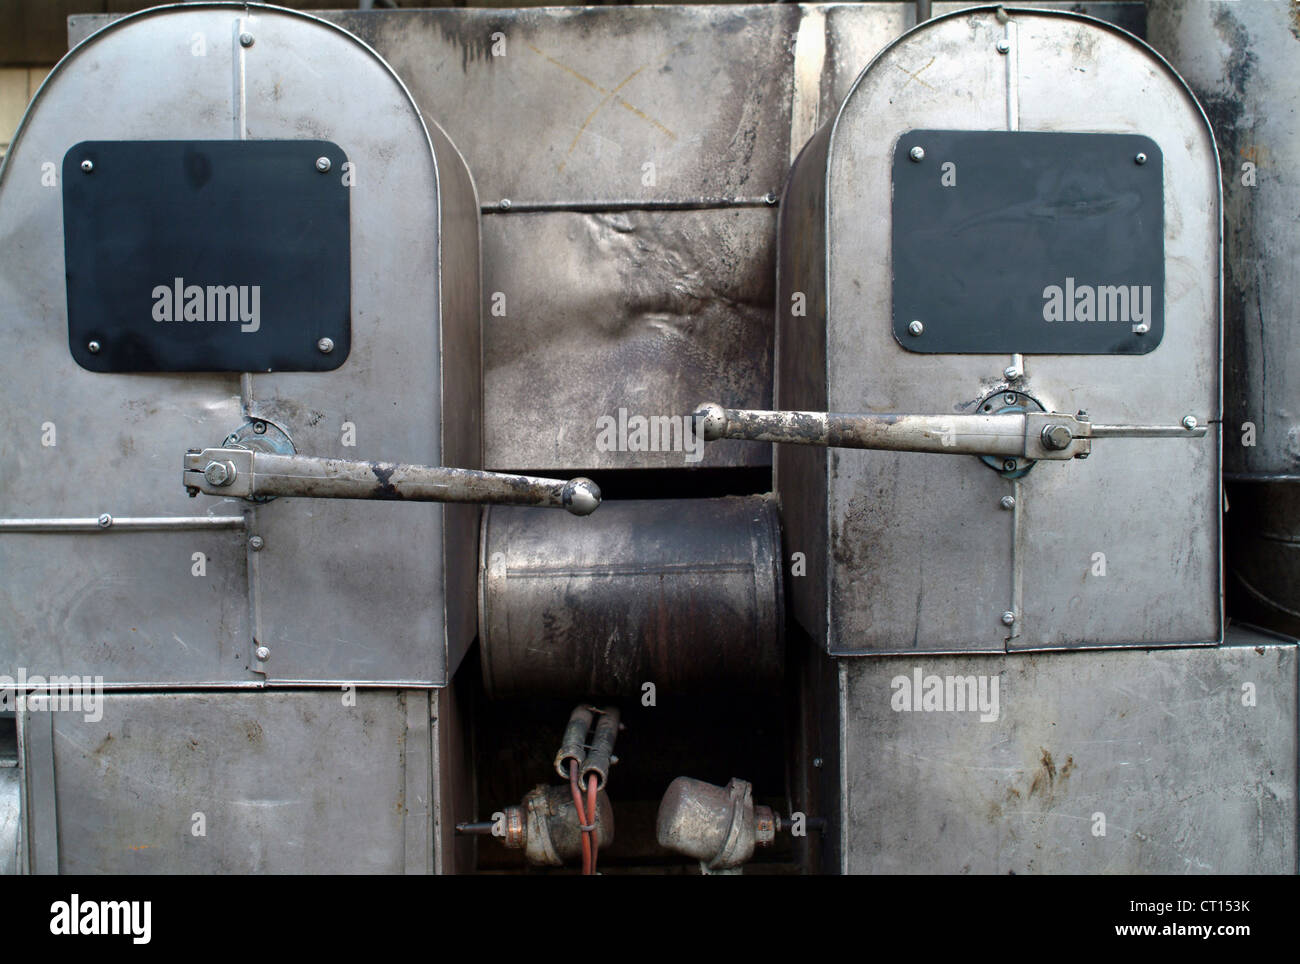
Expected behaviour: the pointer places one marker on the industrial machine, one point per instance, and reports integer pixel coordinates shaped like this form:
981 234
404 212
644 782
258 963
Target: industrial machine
790 436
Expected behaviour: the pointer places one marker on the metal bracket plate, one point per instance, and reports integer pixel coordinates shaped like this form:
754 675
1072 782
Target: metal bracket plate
1028 242
189 256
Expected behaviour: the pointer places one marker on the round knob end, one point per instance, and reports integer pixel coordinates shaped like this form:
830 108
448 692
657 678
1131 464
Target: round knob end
710 421
581 496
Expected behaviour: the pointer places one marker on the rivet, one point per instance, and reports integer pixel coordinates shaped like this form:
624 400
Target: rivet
325 345
87 165
1008 618
93 347
917 153
245 40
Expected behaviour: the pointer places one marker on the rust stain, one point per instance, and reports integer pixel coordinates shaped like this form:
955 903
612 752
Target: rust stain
143 846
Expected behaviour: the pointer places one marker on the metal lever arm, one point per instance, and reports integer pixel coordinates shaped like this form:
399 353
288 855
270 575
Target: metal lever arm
250 474
1034 435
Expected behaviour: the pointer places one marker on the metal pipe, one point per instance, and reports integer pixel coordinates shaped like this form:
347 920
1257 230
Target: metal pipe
106 523
573 744
601 755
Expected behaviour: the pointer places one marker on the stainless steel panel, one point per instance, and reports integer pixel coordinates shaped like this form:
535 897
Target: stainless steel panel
329 600
286 782
1189 780
920 554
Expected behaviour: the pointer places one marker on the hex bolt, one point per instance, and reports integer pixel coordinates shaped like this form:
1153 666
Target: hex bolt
1056 438
917 153
325 346
245 40
262 654
915 328
1141 158
1189 422
219 473
105 521
87 165
256 543
323 164
259 428
1008 618
93 347
1004 46
1007 502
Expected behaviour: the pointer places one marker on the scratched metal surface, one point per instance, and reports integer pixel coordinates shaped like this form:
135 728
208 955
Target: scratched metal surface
126 604
274 796
649 312
917 553
1189 780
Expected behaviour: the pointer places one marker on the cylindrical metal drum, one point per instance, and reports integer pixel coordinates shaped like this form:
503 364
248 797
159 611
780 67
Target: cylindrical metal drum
685 594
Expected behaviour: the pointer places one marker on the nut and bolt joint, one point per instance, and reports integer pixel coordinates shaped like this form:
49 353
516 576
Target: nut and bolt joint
1056 438
219 473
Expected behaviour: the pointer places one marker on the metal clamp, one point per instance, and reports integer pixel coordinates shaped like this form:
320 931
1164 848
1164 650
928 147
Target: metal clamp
248 474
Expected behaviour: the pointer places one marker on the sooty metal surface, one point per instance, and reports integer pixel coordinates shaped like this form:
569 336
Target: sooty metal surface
187 256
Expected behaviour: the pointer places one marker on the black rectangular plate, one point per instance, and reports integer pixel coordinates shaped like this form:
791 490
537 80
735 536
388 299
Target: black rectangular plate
976 259
242 224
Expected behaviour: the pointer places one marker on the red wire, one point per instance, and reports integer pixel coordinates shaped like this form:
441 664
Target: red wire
591 818
587 864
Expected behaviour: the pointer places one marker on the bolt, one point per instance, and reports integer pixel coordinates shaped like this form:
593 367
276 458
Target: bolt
262 654
770 197
219 473
1189 422
1004 46
1008 618
917 153
1010 398
1056 438
1141 158
87 165
105 521
915 328
1011 372
1010 465
259 428
1141 329
325 345
505 204
817 762
1007 502
245 40
93 347
322 164
256 543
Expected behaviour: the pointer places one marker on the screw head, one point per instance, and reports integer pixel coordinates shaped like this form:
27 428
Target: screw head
1056 438
256 543
505 204
917 153
1141 329
259 428
219 473
770 197
262 653
1010 398
915 328
1004 46
1008 618
245 40
1189 422
1010 465
322 164
105 521
325 345
93 347
1140 158
1007 502
87 165
817 762
1011 373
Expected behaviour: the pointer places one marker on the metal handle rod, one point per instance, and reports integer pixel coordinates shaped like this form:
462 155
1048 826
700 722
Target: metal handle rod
249 474
952 434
